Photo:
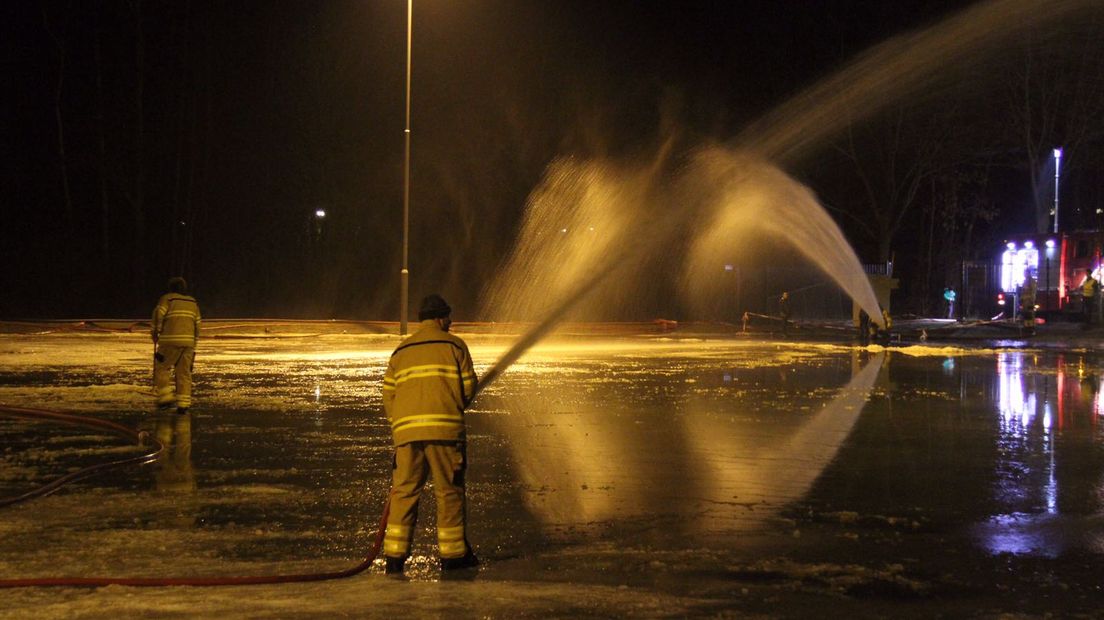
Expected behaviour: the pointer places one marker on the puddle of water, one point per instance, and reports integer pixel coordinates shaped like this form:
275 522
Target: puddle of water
614 449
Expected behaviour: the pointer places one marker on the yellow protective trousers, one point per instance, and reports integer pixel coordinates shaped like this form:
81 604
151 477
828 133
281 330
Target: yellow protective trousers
172 361
413 463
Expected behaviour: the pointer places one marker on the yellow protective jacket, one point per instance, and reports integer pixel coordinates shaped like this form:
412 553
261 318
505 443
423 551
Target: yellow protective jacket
176 320
429 382
1088 287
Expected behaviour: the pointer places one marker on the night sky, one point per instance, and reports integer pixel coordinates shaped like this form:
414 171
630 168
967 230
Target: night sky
200 137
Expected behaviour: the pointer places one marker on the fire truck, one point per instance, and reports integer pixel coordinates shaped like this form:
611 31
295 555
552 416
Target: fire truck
1058 262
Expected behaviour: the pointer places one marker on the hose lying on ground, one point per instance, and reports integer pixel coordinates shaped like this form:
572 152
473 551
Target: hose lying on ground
141 438
148 457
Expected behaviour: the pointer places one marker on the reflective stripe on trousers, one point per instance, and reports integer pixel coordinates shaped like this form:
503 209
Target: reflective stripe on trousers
414 462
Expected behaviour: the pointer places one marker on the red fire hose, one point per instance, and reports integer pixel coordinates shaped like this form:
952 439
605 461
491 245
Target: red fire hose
141 438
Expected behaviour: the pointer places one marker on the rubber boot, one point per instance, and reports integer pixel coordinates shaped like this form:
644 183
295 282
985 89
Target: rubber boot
394 565
468 561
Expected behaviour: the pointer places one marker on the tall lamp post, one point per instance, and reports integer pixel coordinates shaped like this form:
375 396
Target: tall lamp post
1057 166
404 275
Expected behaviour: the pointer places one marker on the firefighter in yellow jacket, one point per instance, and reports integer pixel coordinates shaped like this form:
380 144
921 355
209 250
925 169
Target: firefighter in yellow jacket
175 328
429 382
1089 289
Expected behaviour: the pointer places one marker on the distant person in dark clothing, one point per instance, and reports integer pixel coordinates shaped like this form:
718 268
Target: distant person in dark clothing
784 311
1027 304
882 334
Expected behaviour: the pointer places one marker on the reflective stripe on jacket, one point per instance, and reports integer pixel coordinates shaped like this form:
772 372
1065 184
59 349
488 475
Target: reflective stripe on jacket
429 382
176 320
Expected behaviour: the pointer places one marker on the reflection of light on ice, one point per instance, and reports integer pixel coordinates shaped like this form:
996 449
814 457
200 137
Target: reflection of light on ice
1013 403
1052 484
1019 533
1019 405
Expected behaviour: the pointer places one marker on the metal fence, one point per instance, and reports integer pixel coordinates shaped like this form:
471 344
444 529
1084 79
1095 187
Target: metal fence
981 284
977 297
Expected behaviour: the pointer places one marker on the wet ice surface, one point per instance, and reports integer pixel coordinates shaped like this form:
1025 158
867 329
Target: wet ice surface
639 476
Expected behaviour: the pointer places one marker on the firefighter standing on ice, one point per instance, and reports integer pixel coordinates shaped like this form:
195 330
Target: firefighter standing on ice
175 329
1089 288
429 382
1028 293
784 311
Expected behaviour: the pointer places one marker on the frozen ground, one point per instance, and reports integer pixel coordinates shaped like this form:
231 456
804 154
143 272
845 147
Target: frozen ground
644 475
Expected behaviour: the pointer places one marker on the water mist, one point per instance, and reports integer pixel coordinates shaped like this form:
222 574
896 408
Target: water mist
590 222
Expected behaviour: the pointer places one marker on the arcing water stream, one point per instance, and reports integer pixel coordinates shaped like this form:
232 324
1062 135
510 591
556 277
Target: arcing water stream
904 68
590 221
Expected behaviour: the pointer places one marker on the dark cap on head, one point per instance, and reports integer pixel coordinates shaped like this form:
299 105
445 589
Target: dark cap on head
433 307
178 285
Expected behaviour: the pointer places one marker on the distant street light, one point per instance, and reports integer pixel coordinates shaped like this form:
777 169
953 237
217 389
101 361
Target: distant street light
1057 166
316 226
404 275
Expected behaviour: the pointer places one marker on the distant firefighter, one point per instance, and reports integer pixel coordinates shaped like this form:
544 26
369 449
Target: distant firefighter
429 381
1028 293
175 329
1089 289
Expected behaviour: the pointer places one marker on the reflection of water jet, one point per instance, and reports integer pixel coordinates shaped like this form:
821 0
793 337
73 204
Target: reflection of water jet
592 457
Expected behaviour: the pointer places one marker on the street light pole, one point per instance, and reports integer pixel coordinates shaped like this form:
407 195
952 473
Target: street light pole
404 275
1057 165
